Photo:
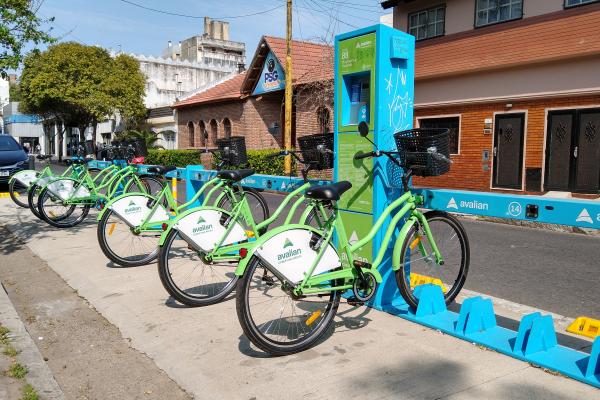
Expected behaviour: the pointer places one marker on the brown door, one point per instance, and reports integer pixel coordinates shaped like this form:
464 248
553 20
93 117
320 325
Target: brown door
509 139
573 151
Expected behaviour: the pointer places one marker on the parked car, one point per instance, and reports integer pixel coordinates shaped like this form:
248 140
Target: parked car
12 157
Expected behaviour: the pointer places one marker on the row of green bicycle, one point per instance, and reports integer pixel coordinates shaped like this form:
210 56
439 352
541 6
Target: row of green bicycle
289 279
64 200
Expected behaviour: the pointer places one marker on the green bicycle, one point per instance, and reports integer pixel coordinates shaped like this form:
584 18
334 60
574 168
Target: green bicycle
66 202
292 279
129 226
201 247
20 182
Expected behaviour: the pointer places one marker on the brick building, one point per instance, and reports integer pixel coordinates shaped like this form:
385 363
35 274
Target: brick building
518 82
251 103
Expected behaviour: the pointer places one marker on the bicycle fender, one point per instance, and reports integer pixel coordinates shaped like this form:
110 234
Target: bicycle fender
26 177
203 229
133 209
288 252
410 222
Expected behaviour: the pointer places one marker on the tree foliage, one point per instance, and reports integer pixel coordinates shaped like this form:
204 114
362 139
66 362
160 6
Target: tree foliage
149 136
80 85
19 25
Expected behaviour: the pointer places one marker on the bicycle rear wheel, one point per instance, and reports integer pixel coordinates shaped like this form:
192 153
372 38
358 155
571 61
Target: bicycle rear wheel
417 261
276 322
256 202
191 279
124 247
58 214
18 193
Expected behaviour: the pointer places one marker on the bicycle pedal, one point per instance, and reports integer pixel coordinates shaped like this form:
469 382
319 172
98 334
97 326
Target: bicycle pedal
353 301
361 264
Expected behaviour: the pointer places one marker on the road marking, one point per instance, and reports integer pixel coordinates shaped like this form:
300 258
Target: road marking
6 194
585 326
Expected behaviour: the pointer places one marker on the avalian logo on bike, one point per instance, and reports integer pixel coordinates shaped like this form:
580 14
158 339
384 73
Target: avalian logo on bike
289 255
203 227
132 208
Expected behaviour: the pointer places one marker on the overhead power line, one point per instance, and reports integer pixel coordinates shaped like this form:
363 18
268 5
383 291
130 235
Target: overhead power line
200 17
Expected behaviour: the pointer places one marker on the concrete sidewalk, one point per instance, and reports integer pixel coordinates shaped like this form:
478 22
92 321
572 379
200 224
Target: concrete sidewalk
371 354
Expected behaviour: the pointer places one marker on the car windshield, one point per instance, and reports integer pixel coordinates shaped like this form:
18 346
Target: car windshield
7 143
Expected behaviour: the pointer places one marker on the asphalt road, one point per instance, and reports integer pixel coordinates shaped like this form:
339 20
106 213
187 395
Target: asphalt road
553 271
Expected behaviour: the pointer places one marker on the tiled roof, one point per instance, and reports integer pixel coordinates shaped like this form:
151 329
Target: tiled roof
310 61
560 35
227 90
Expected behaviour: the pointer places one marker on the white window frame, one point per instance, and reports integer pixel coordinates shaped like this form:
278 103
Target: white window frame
418 27
459 116
488 8
579 3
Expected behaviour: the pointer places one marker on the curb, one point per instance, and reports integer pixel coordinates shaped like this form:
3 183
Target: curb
39 375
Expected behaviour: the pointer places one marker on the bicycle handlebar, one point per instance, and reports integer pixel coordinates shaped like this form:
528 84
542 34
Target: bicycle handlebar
360 156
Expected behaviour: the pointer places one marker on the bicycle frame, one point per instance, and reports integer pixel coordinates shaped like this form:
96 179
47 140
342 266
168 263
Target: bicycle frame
406 206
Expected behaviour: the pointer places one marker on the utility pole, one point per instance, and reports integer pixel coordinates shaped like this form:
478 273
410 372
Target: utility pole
287 132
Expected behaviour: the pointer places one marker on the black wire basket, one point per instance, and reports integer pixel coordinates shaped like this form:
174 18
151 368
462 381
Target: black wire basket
318 160
413 146
140 147
232 151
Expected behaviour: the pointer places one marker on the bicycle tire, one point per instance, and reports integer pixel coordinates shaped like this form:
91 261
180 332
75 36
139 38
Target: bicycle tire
55 221
264 211
403 281
253 332
14 197
166 278
32 200
112 255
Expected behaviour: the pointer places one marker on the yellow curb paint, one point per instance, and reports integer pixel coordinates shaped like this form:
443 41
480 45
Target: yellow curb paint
313 317
417 280
5 194
585 326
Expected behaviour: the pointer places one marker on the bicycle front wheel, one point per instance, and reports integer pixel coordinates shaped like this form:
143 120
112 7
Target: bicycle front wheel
256 203
32 200
58 214
191 279
418 263
276 322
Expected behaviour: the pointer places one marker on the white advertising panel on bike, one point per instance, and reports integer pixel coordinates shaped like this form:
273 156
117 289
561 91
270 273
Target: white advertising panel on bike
204 229
290 254
62 188
134 210
26 177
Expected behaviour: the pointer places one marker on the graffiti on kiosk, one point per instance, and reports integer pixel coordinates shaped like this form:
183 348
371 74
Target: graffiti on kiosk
470 205
401 103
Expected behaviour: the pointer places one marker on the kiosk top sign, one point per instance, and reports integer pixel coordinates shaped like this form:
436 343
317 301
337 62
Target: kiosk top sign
357 54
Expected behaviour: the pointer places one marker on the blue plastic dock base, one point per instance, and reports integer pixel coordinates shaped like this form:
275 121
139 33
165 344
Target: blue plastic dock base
535 342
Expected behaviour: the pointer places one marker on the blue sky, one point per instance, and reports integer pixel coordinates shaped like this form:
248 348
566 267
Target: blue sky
116 24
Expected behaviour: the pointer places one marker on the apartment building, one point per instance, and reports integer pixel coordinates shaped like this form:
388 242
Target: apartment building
518 84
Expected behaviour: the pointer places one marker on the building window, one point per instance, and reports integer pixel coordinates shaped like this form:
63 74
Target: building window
494 11
214 130
191 133
227 127
452 123
203 133
428 23
323 119
573 3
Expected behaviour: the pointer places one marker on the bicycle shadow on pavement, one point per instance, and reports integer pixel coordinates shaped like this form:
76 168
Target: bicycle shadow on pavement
352 318
23 225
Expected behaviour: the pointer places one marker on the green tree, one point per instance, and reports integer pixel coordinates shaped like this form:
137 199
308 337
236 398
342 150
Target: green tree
19 25
14 92
78 85
149 136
